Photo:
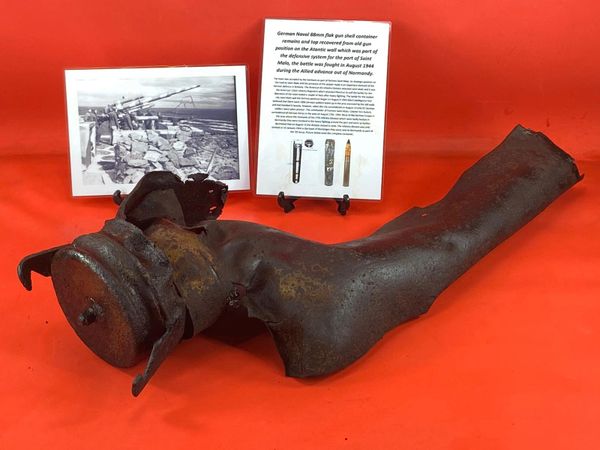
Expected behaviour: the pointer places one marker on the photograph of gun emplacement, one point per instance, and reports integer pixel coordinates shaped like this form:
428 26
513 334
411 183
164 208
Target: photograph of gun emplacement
129 127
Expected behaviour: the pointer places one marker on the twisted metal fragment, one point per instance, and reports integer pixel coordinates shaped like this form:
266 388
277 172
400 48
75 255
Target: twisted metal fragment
164 269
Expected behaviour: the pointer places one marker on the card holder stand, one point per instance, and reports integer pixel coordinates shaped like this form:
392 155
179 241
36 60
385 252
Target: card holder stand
287 203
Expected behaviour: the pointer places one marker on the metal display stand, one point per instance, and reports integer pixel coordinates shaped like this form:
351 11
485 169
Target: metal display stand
287 203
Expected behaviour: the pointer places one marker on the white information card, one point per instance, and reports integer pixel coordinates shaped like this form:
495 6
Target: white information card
322 111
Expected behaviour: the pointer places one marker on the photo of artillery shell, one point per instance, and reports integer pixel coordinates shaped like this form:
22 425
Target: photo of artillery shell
129 127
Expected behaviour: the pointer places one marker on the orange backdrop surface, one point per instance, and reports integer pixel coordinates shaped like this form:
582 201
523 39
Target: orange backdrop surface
506 358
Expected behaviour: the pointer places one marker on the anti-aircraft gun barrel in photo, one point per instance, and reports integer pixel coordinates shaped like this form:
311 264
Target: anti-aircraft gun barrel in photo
142 103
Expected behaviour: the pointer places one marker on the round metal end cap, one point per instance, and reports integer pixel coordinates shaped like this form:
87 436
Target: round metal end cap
107 314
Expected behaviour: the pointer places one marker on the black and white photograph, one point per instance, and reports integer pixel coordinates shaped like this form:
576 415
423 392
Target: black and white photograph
124 123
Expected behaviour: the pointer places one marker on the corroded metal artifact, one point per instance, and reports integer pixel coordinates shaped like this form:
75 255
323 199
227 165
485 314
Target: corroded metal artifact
164 270
329 160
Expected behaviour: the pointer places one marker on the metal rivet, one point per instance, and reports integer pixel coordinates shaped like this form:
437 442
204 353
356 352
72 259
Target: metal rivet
90 315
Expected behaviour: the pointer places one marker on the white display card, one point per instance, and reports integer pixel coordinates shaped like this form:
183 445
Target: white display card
322 108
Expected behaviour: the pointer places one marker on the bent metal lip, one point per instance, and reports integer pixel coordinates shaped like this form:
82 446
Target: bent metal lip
164 269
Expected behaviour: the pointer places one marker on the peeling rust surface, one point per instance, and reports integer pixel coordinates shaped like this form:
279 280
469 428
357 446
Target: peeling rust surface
164 269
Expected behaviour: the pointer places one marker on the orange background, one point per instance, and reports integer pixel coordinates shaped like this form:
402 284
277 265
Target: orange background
506 358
